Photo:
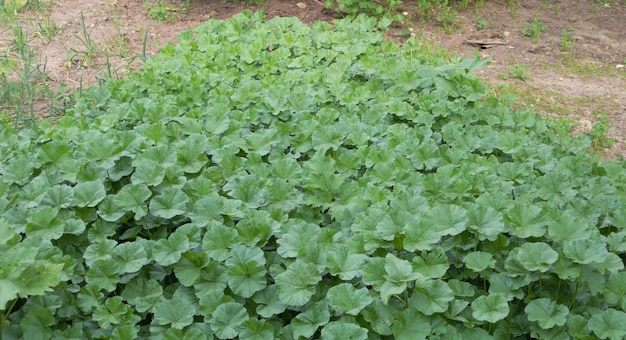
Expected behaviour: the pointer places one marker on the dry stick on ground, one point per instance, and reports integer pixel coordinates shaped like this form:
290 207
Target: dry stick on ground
486 43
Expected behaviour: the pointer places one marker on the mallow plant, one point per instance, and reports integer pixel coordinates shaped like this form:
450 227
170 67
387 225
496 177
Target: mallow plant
271 180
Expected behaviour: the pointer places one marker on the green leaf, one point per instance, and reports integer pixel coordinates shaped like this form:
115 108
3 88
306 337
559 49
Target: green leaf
411 325
257 330
343 330
577 327
615 290
164 155
526 220
148 174
449 219
218 240
390 276
227 320
479 261
609 323
171 202
168 251
569 228
431 264
296 285
380 317
102 250
44 224
111 312
342 263
53 152
19 170
246 270
36 324
38 277
585 251
537 256
59 196
298 239
178 312
420 235
143 294
190 266
89 194
344 298
431 297
132 257
103 274
89 297
109 211
131 198
268 303
485 221
547 313
306 323
490 308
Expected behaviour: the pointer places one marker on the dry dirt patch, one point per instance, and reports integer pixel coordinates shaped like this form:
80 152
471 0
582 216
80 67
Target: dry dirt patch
574 69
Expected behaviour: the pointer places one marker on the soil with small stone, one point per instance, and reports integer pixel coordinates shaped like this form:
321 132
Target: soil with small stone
576 68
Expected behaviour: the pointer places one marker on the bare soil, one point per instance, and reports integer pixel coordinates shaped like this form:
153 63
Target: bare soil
579 75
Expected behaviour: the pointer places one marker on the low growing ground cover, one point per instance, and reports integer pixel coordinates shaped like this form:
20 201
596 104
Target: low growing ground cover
274 180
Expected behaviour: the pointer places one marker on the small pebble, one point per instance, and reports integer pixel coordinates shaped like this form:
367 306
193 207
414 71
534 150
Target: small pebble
301 5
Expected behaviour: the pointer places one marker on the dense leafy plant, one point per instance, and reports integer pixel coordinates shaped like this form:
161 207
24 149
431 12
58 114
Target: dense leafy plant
274 180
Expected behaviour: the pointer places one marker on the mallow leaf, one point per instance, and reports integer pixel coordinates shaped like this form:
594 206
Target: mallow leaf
132 256
610 323
307 322
537 256
132 197
585 251
432 297
296 285
246 270
110 313
171 202
546 312
89 194
178 312
479 261
344 298
168 251
227 320
491 308
337 330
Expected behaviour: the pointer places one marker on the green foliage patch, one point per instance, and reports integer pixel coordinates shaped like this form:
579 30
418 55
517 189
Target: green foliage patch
269 180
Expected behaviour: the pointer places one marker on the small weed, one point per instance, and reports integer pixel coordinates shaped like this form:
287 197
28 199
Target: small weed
600 131
46 28
158 11
567 40
22 79
446 17
534 29
86 55
517 72
482 24
564 125
119 41
425 10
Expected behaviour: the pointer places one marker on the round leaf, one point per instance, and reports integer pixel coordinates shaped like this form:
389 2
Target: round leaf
547 313
490 308
227 320
537 256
